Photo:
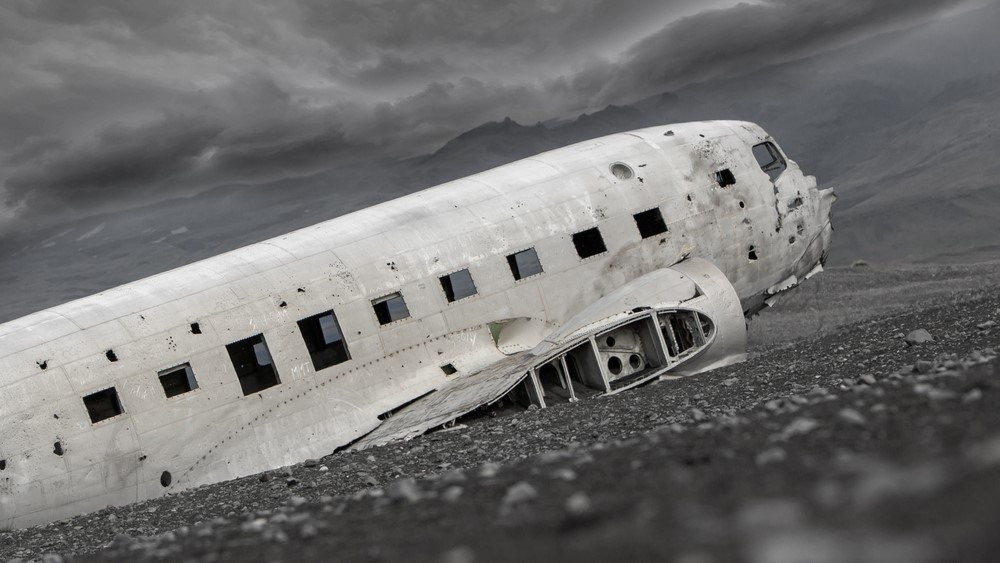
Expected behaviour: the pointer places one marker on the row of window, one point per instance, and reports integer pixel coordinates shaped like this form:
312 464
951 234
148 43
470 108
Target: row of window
324 338
523 264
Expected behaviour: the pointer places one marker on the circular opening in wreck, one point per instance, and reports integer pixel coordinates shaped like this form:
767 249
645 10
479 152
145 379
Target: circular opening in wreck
622 171
166 479
610 341
614 365
634 361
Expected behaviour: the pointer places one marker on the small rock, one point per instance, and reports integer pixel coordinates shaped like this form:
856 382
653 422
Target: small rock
818 391
404 489
919 336
730 382
987 325
254 526
972 396
799 427
517 495
923 366
297 501
310 463
852 416
578 504
564 473
488 470
698 415
323 468
867 379
452 493
933 393
368 479
307 531
770 455
291 481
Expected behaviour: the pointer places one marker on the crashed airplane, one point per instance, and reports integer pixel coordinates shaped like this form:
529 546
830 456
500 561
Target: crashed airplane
586 270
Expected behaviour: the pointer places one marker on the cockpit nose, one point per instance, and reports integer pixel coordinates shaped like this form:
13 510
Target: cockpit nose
827 199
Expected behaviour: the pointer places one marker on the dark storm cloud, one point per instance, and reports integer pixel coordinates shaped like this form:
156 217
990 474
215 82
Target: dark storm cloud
746 37
113 100
121 158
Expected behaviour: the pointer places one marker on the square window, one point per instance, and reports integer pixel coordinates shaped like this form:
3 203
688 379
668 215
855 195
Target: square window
458 285
650 223
770 160
589 243
725 178
390 308
178 380
324 339
103 405
524 264
254 366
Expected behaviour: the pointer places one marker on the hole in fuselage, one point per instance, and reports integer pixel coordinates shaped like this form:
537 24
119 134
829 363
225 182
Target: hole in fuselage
610 341
614 365
634 361
166 479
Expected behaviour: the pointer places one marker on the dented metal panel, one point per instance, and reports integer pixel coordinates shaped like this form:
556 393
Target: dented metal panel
675 302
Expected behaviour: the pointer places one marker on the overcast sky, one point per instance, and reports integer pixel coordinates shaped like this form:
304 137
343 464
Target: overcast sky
111 102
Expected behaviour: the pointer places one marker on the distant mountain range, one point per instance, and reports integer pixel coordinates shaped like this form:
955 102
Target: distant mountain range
905 126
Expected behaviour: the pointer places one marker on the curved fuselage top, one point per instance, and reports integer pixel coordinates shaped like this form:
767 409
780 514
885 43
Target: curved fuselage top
756 231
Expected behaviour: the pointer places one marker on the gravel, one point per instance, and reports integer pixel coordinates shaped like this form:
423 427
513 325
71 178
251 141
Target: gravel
853 446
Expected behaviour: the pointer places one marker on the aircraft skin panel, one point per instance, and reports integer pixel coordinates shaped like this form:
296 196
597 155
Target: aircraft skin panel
695 284
716 204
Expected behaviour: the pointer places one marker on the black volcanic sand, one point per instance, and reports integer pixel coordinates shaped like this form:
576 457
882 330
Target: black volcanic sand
853 446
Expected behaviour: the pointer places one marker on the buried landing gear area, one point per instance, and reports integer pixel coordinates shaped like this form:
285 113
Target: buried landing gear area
630 354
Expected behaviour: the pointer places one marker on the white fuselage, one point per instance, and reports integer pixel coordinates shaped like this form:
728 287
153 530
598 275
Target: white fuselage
57 462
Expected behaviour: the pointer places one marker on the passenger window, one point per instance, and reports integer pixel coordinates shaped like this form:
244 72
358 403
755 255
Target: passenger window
650 223
390 308
458 285
253 364
769 159
524 264
324 340
725 178
103 405
178 380
589 243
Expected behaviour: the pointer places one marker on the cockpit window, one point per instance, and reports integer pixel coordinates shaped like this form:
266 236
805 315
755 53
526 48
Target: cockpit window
769 159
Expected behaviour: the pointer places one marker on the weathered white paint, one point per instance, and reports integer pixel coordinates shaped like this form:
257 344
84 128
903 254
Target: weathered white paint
215 433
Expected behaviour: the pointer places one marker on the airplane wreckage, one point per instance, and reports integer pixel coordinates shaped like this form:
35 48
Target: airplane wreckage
586 270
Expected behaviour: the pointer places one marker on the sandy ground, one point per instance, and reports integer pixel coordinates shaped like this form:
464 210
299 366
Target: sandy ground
848 445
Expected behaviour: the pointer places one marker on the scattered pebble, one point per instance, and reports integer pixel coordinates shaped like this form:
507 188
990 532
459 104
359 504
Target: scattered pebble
517 496
919 336
578 504
404 489
771 455
852 416
799 427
